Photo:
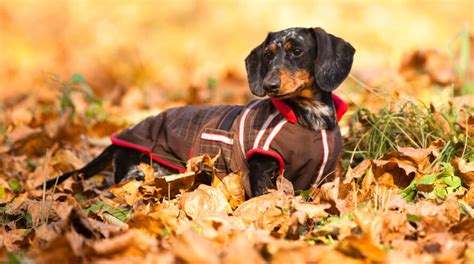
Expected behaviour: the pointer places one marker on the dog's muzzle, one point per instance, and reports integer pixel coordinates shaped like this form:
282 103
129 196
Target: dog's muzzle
272 85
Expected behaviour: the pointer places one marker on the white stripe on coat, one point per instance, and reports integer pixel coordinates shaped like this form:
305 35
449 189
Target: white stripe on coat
242 125
264 127
217 137
274 133
324 138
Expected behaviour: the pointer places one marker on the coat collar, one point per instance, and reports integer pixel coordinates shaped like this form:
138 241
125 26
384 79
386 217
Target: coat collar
287 112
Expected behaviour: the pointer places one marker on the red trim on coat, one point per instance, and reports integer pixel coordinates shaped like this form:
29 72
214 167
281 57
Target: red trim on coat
268 153
126 144
287 112
341 106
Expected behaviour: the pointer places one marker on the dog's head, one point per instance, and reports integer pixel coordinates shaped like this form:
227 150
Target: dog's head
294 61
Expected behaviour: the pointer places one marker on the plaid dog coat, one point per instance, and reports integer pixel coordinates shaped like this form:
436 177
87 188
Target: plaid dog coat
263 126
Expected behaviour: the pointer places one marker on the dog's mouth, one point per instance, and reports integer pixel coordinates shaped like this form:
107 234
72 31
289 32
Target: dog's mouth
292 94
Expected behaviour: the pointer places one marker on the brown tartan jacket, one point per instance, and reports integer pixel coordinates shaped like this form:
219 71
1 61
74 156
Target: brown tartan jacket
263 126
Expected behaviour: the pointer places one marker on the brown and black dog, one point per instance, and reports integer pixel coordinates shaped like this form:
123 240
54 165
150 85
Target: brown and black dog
294 132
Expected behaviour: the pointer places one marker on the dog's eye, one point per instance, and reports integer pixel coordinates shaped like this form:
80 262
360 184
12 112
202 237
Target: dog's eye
268 54
296 52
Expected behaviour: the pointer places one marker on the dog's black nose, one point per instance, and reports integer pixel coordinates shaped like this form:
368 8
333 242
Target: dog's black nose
271 85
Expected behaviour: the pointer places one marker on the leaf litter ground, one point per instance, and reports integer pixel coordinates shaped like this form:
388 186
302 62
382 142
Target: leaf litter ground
404 193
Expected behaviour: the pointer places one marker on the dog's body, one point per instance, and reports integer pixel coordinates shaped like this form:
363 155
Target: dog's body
291 134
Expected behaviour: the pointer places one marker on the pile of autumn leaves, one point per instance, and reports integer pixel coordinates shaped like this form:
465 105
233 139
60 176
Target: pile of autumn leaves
362 217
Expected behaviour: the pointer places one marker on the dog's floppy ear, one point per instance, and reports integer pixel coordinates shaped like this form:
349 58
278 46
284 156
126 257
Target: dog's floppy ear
256 71
333 60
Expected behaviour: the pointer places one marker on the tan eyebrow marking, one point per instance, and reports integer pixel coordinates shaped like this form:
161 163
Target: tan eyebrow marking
287 45
272 48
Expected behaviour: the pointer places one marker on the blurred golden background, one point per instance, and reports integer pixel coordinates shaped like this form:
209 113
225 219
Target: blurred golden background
146 53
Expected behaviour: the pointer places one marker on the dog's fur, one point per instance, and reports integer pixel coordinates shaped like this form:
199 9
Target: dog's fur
301 66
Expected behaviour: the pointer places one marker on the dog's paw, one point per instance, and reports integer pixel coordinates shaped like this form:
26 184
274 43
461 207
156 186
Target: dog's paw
134 174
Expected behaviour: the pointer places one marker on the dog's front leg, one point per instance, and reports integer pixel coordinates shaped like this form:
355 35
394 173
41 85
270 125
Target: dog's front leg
263 173
125 165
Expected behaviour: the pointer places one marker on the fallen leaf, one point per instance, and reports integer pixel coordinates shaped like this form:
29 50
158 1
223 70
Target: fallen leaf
202 163
157 220
443 247
314 211
300 253
241 249
203 200
6 194
15 239
361 247
463 230
65 160
128 191
284 185
148 171
134 242
231 186
465 170
171 185
393 173
190 247
358 171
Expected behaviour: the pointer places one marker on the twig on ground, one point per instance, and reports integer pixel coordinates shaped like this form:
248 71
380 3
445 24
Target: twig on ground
43 199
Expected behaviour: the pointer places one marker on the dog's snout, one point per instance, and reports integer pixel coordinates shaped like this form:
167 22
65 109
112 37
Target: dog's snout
272 85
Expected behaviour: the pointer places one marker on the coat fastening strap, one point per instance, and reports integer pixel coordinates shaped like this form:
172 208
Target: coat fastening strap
228 119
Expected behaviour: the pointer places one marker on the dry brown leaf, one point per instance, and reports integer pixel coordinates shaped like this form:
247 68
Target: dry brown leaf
216 227
370 222
395 227
295 252
242 250
358 171
368 180
65 160
64 248
15 206
128 191
190 247
46 233
231 186
398 169
171 185
361 247
435 218
148 171
328 191
284 185
30 141
430 64
463 230
253 209
134 243
15 239
394 173
443 247
367 244
203 200
465 117
149 193
421 158
314 211
469 197
6 194
53 208
465 170
200 163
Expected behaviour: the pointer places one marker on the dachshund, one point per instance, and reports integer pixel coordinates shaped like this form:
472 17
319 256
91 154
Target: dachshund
293 132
